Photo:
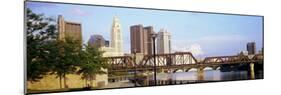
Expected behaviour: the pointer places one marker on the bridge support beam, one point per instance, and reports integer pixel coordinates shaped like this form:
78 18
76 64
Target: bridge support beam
252 70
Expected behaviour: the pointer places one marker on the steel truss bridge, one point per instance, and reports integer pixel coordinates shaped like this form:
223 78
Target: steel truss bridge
177 61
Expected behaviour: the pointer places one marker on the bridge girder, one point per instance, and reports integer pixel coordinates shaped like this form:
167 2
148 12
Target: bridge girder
177 60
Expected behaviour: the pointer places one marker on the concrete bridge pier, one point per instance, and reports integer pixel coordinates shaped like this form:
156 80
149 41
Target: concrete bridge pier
142 79
145 81
200 73
252 70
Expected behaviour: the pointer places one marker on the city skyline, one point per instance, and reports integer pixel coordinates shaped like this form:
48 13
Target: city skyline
200 33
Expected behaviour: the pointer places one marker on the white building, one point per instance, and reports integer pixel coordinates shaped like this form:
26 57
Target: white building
116 43
116 36
163 42
115 48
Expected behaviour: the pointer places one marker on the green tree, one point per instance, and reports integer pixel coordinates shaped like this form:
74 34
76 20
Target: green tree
92 63
41 33
47 54
67 59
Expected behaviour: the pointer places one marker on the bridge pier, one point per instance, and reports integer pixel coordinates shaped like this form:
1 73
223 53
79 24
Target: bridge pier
252 70
145 81
146 78
200 73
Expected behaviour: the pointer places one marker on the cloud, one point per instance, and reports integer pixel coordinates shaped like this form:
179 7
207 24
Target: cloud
195 49
212 45
79 12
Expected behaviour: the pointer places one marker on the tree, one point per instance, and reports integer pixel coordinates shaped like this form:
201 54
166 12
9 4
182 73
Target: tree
67 58
92 63
40 36
46 54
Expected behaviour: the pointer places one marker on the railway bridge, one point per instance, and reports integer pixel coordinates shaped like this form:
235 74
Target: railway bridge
180 61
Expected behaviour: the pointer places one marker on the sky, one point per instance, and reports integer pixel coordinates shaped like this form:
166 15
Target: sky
203 34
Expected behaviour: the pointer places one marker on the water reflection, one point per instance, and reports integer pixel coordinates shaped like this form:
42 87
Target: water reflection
192 76
208 75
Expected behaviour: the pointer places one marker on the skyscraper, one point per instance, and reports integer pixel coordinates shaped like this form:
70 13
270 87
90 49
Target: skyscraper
68 29
136 36
116 36
163 42
148 40
251 48
141 41
115 47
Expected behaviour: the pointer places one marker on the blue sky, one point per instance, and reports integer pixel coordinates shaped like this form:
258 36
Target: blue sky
202 34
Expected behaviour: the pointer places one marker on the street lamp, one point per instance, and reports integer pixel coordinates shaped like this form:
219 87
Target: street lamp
153 36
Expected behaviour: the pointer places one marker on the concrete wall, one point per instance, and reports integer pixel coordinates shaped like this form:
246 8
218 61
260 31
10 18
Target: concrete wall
51 82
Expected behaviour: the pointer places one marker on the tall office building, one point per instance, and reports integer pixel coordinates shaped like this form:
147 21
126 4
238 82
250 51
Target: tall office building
251 48
148 44
116 36
136 36
68 29
97 40
115 47
141 41
163 42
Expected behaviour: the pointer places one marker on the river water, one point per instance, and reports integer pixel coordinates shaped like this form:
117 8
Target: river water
209 75
193 77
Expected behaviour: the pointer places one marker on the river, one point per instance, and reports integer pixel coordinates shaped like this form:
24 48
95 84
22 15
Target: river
209 75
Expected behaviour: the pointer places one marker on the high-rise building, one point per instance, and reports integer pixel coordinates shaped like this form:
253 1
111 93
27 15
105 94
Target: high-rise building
68 29
148 44
116 36
163 42
251 48
136 36
115 47
97 40
141 41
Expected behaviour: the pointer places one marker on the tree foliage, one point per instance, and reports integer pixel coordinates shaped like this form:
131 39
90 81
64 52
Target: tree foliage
67 58
92 63
40 35
46 54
